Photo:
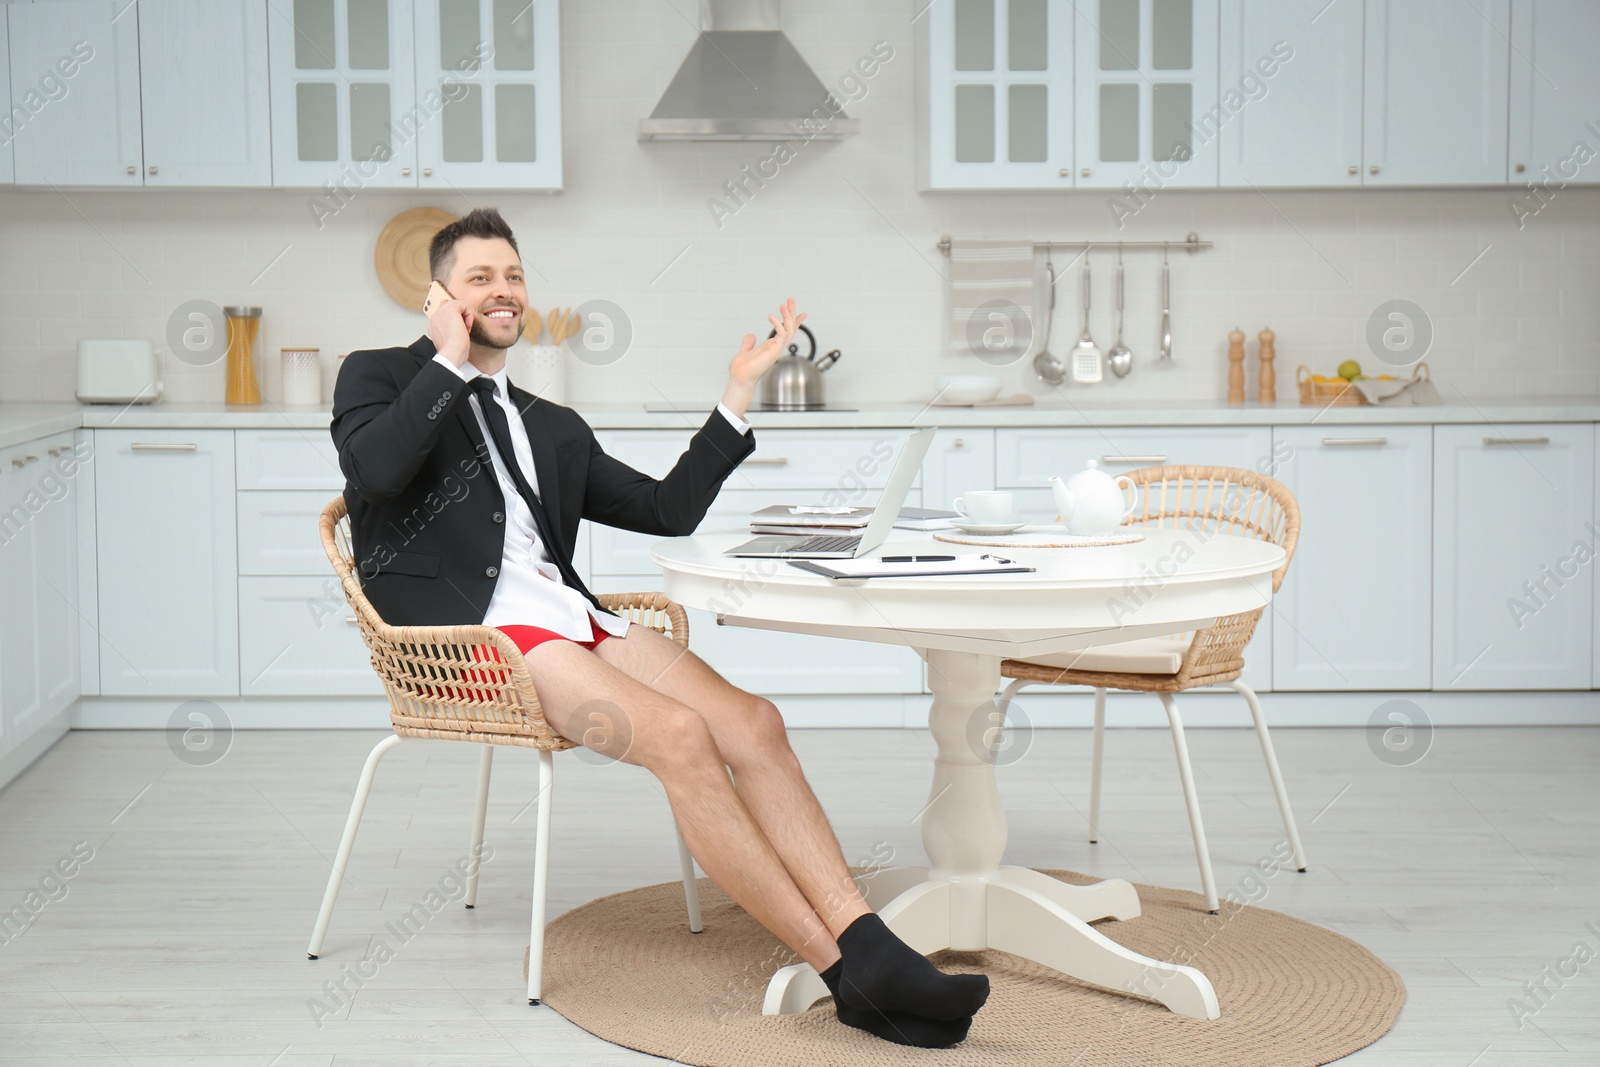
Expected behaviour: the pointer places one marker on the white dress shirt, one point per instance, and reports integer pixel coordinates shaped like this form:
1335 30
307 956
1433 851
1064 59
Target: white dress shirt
529 590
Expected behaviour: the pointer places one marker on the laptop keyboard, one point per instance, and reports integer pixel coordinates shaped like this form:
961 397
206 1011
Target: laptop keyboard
828 543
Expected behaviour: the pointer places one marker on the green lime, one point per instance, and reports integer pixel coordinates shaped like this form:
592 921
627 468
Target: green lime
1349 370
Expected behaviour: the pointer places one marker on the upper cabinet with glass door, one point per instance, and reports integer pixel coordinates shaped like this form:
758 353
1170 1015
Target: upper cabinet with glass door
999 95
489 90
343 100
1146 92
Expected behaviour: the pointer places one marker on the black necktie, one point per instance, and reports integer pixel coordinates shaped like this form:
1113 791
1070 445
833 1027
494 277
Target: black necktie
500 430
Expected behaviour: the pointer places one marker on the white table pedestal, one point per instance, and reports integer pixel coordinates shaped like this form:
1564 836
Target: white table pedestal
966 900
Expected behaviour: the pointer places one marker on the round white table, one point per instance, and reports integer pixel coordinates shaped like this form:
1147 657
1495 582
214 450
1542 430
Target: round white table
963 626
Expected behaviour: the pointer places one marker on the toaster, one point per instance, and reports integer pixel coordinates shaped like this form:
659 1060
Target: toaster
117 372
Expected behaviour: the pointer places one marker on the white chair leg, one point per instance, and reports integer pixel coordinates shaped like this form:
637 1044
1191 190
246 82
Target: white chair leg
691 884
541 874
1003 701
347 842
1094 768
1192 800
1271 757
478 815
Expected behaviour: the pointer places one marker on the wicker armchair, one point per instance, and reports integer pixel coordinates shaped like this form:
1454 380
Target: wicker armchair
1214 500
470 683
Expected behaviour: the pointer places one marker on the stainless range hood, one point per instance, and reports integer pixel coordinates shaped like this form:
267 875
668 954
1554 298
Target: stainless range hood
744 81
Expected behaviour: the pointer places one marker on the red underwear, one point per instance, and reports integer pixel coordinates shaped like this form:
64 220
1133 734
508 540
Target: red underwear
525 638
528 636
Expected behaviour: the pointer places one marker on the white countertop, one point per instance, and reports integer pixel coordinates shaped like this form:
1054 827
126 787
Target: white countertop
22 422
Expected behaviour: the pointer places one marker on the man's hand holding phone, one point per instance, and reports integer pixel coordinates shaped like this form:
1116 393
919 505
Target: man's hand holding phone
449 324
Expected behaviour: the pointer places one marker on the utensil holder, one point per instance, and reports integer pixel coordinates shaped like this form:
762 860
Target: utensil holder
545 372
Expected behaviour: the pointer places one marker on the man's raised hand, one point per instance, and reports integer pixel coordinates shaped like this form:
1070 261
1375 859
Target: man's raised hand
753 360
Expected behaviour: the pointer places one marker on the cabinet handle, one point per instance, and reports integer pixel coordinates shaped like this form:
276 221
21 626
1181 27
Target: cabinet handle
1355 440
1085 172
29 459
1133 459
427 172
133 170
960 442
769 461
54 452
1521 167
19 463
1354 169
1066 172
1516 440
1372 169
152 168
162 446
349 618
405 172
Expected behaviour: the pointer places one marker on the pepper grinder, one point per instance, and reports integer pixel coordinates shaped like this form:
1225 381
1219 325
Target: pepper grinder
1236 366
1266 379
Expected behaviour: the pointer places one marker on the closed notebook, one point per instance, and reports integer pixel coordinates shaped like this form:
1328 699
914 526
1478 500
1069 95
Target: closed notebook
867 567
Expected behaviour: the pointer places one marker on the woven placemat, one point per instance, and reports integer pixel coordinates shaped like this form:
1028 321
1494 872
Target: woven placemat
627 969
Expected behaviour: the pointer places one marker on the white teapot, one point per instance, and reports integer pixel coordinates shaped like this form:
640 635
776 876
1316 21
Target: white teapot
1092 502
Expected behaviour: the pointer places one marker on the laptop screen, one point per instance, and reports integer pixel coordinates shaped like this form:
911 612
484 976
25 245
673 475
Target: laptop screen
895 490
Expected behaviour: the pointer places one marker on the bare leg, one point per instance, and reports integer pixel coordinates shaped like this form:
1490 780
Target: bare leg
750 732
583 698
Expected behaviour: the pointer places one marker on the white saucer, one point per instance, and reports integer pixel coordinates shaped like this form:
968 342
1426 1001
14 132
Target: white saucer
987 527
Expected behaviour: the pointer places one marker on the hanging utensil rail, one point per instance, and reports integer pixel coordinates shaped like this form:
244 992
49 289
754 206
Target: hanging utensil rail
1191 244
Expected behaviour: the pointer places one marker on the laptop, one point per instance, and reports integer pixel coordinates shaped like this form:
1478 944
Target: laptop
851 546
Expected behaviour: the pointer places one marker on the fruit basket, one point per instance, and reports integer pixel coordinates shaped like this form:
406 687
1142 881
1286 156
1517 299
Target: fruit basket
1337 390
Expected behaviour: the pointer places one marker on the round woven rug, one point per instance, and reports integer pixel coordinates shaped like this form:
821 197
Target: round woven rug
627 969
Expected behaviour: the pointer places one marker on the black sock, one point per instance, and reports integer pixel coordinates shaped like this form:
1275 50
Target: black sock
901 1027
883 973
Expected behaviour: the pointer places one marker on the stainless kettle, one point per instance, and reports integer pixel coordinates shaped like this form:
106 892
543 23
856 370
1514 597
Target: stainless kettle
794 382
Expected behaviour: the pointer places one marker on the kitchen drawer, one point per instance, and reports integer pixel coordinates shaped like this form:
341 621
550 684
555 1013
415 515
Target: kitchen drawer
771 663
837 466
615 551
278 533
287 459
1027 457
297 637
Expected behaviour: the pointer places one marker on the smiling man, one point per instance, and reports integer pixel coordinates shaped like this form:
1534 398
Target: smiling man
465 494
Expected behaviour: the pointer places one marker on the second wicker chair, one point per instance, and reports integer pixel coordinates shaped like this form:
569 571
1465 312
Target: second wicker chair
1206 500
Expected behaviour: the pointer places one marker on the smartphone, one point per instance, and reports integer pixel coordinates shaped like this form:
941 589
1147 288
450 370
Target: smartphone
437 294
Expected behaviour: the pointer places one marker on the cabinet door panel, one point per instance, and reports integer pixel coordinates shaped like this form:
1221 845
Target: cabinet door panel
75 79
221 136
164 502
344 108
1554 85
1294 116
20 644
1356 605
8 123
1513 514
1145 80
56 581
296 638
1436 98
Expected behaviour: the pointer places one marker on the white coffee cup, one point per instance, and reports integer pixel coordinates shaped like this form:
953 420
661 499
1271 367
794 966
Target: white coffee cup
986 507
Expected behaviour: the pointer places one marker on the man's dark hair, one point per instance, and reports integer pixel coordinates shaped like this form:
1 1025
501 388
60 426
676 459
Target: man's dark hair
479 222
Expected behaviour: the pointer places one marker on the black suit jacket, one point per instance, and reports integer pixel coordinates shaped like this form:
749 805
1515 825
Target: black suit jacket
427 517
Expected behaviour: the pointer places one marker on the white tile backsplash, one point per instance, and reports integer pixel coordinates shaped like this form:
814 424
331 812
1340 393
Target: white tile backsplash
841 228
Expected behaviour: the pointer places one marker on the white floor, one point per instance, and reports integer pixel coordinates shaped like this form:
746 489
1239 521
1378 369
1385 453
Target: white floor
182 941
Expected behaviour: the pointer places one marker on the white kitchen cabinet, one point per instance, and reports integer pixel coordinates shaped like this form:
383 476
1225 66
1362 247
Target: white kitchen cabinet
1290 108
221 135
491 72
8 123
298 637
344 108
1355 608
1026 457
168 596
75 93
38 586
998 95
1145 75
1436 92
960 460
1513 606
1554 85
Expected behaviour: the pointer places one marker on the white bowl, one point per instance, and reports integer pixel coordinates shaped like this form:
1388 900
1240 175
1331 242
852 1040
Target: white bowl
965 388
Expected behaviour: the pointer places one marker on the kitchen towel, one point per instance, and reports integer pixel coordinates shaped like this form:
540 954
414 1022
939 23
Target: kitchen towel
1400 393
993 291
